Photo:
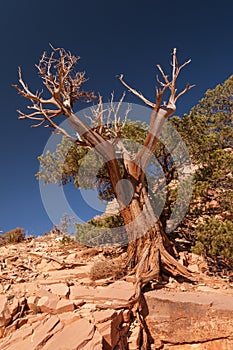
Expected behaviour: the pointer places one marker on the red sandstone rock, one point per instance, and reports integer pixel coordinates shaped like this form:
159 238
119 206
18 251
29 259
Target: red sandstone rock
81 292
126 315
104 315
96 343
119 290
176 317
48 304
67 318
64 306
78 323
32 303
72 337
110 330
5 315
13 306
60 289
42 333
47 265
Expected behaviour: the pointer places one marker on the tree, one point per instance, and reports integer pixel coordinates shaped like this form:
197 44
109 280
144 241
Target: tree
65 165
208 132
149 249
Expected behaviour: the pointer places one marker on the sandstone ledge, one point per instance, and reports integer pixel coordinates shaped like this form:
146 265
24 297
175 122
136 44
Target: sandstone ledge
190 320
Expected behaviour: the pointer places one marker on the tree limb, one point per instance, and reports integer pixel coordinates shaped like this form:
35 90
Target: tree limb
160 112
136 93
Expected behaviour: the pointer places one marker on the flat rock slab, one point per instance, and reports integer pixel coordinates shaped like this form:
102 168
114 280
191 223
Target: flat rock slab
73 336
187 317
119 290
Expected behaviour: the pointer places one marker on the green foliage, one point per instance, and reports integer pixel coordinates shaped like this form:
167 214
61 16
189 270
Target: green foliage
208 133
61 166
86 169
100 231
214 238
209 126
66 240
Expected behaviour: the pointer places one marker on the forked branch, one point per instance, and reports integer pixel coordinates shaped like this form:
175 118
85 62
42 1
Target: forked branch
164 85
136 93
108 120
161 111
176 69
57 72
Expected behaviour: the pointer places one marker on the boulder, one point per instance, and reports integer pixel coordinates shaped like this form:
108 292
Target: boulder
188 317
48 304
32 303
64 306
108 324
5 315
60 289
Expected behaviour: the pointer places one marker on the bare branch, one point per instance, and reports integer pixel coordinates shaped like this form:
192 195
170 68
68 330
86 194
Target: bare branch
160 111
175 73
128 110
98 115
58 75
187 88
136 93
165 77
108 121
30 116
62 131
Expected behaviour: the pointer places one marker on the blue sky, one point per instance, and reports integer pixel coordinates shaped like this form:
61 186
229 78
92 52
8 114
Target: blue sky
111 37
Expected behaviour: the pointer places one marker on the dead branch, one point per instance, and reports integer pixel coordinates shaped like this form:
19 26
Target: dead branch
108 121
165 84
160 111
57 72
136 93
60 262
176 69
48 257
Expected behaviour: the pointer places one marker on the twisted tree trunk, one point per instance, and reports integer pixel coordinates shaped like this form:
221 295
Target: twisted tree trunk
149 250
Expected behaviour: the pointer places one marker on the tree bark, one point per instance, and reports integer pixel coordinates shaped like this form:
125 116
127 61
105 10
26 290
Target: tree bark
150 253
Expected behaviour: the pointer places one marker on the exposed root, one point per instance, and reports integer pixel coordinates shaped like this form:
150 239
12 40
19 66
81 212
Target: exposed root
151 255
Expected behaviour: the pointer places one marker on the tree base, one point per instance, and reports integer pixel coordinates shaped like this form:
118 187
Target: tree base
152 255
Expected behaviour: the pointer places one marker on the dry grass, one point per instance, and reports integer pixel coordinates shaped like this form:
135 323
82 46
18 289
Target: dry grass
106 269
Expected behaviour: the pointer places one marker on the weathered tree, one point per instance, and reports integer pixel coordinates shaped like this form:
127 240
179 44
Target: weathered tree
149 250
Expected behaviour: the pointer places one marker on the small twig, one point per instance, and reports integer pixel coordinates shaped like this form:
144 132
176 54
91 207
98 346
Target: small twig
48 257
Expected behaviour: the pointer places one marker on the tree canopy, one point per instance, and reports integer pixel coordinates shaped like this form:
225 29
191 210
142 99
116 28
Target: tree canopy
208 133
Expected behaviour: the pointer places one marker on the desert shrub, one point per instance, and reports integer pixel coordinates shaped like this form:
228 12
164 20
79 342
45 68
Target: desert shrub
98 231
66 239
14 236
214 238
106 269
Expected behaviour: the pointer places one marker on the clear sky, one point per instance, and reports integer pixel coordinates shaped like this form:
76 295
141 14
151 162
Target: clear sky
111 37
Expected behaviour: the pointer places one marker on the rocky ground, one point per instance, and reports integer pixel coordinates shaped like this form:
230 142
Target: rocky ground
48 301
